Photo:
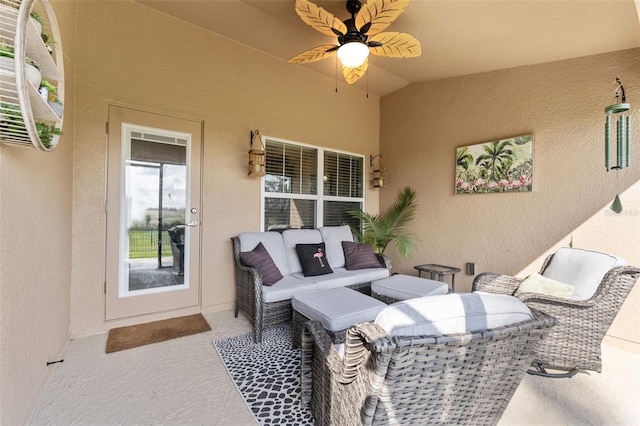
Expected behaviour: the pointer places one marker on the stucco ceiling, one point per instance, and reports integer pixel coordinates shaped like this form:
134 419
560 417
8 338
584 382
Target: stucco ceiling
458 37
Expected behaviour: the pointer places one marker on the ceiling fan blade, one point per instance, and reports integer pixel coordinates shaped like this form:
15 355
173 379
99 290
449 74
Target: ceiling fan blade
380 13
351 75
314 54
395 45
319 18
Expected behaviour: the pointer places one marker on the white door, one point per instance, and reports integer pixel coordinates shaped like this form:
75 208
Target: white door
153 213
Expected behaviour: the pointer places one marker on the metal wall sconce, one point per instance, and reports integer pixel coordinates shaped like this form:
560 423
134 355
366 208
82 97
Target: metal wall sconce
379 172
257 155
619 112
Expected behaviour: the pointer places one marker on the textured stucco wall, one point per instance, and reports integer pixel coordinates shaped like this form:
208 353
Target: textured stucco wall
134 56
35 255
562 104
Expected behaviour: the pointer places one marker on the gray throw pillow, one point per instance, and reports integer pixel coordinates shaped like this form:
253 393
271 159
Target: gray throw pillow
260 259
359 256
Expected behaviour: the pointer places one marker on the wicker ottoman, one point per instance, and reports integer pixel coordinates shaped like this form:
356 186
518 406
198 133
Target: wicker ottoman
337 309
402 287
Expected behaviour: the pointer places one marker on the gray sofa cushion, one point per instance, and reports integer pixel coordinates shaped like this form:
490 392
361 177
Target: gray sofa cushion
286 288
292 237
342 278
338 308
333 236
272 241
403 287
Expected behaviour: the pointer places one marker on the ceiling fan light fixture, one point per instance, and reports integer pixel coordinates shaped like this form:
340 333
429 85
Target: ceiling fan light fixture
353 54
358 35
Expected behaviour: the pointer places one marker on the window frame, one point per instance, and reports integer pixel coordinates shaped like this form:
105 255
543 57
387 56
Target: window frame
319 197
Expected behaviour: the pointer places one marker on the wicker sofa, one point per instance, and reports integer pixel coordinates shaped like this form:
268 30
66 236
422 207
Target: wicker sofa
268 306
445 359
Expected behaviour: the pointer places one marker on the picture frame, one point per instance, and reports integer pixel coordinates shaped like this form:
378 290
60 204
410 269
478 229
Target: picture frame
498 166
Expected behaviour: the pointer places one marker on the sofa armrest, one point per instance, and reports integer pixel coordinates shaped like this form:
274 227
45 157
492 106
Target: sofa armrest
322 367
384 260
496 283
315 338
365 337
238 264
248 285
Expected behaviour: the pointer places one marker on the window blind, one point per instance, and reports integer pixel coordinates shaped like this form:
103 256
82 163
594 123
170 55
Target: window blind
292 196
291 169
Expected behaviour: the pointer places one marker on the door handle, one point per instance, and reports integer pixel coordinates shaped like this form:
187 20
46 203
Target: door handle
193 223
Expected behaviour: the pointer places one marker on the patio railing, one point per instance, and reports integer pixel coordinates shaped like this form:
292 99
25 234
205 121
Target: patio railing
144 243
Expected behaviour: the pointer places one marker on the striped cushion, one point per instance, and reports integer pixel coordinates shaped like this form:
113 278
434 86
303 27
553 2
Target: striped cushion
359 256
259 258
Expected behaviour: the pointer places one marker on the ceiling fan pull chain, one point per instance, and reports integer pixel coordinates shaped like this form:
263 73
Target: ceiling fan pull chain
336 74
368 84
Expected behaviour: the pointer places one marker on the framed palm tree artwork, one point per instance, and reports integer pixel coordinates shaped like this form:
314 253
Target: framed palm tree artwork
504 165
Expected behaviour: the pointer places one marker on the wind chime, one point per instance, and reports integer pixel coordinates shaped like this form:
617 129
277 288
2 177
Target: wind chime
619 114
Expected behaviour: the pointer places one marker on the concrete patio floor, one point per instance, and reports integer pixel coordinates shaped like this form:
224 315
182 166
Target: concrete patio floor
183 382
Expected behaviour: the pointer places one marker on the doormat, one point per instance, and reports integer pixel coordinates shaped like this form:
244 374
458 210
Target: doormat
122 338
267 375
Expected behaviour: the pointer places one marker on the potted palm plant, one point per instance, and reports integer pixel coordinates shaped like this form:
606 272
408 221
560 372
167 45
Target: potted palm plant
381 230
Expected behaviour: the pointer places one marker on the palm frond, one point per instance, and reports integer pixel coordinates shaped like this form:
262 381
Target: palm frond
379 231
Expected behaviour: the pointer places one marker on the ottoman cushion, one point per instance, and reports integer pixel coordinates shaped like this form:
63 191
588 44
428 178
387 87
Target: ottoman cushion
403 287
337 308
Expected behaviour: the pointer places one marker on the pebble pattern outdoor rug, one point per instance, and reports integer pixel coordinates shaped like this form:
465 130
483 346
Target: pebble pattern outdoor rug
267 375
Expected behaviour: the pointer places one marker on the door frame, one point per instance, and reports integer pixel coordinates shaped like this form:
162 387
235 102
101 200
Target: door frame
167 299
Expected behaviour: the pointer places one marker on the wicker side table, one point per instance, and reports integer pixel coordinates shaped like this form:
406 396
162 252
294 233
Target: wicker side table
439 271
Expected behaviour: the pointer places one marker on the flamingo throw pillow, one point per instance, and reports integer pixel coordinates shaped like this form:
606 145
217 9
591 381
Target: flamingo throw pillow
313 260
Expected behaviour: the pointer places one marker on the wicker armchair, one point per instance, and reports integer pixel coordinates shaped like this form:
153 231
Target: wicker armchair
574 344
466 378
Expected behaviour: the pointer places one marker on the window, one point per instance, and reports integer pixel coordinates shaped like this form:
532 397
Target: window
293 197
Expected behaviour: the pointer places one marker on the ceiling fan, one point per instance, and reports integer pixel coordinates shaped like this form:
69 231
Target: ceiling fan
357 36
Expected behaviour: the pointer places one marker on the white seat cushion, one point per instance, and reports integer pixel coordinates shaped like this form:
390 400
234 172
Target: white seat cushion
403 287
337 308
291 237
583 269
272 241
451 314
333 236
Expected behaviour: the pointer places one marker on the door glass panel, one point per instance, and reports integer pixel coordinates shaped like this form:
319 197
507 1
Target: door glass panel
154 231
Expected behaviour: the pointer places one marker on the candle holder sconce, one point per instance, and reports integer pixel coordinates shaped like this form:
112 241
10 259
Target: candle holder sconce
257 155
378 170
